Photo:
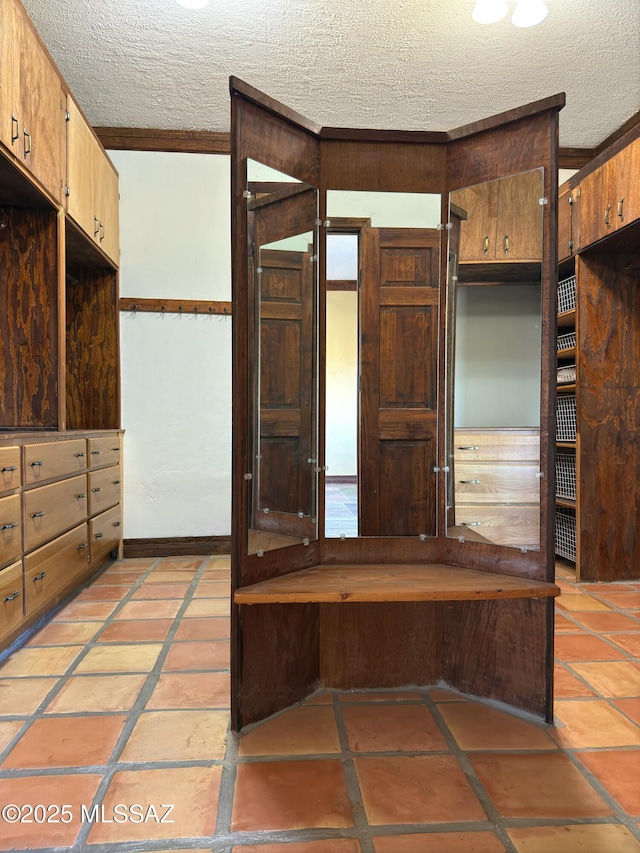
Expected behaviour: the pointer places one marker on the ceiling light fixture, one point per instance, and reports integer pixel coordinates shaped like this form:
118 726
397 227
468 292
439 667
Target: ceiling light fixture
527 13
193 4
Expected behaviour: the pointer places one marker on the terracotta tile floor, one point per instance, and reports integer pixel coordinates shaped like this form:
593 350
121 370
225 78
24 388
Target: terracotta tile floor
122 698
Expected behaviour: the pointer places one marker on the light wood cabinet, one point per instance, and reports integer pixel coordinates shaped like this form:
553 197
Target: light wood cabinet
45 460
10 470
104 489
104 532
9 77
92 185
10 529
104 451
49 510
11 600
52 568
500 225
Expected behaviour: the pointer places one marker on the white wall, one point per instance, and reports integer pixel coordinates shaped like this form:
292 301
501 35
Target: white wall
342 383
176 370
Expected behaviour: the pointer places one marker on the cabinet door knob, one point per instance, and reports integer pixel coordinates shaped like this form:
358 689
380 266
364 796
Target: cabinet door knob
506 244
11 597
485 248
37 514
39 577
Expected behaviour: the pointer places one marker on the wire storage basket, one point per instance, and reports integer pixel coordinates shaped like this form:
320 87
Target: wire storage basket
566 341
566 533
566 418
567 294
566 374
566 475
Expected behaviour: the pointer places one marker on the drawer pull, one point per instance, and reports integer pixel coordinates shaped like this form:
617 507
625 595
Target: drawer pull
9 468
116 482
470 447
83 546
9 526
39 577
95 453
469 482
37 514
98 535
80 455
36 464
12 597
470 523
80 496
96 490
116 524
116 449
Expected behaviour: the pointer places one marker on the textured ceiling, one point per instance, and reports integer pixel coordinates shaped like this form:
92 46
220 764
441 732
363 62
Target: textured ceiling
410 64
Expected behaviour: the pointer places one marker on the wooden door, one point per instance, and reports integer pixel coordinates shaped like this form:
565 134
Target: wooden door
284 500
10 130
42 113
627 194
519 224
83 151
565 246
597 204
107 207
478 234
398 381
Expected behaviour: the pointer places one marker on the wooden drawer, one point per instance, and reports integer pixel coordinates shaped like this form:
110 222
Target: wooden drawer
53 459
105 531
54 566
104 489
482 445
52 509
10 529
11 599
104 451
493 482
10 474
505 525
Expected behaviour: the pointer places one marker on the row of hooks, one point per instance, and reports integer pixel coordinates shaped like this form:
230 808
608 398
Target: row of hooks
174 306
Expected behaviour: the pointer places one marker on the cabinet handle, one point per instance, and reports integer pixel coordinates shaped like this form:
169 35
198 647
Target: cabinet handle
96 226
11 597
36 464
80 496
80 455
116 482
116 449
95 453
82 547
37 514
27 148
470 523
98 535
116 524
9 526
101 232
486 245
15 128
96 490
9 468
506 244
620 213
473 482
606 216
39 577
469 447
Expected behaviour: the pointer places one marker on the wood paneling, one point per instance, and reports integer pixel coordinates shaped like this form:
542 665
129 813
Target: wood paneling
378 166
28 300
93 400
150 139
375 645
499 650
280 659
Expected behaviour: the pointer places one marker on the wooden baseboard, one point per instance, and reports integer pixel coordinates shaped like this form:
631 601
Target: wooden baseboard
177 546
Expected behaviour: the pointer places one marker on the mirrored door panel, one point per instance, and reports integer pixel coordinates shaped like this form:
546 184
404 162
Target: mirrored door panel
383 258
494 303
282 232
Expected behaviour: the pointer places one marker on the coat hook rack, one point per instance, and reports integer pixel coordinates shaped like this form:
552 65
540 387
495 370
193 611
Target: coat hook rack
175 306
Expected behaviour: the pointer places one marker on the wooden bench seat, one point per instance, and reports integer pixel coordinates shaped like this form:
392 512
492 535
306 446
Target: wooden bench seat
360 583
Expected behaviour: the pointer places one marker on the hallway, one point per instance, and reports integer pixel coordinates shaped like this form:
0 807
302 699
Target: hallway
122 698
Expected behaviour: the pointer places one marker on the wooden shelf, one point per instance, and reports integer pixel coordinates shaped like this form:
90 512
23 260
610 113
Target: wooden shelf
567 319
383 583
567 389
566 502
566 445
569 352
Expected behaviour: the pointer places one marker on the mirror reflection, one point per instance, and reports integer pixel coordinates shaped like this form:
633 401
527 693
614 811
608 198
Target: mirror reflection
282 231
494 358
382 272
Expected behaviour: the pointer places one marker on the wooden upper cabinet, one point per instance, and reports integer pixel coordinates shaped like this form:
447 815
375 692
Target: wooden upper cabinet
565 243
31 101
504 221
92 199
627 197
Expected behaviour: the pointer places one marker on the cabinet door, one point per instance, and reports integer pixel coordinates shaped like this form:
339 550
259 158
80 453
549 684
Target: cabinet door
597 204
627 189
83 150
9 77
519 225
565 245
107 207
478 231
42 108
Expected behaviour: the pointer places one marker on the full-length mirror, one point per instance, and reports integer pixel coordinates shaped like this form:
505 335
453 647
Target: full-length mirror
494 358
282 269
382 309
